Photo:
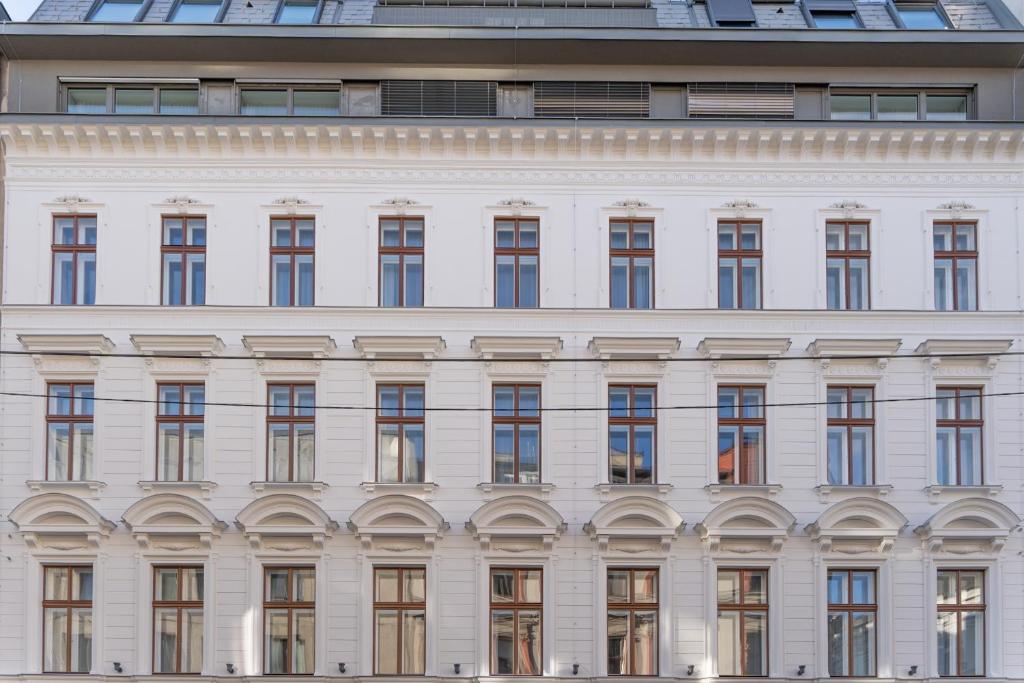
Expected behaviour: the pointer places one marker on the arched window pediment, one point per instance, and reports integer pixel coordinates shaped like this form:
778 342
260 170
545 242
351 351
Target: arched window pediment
857 525
634 518
969 525
285 515
747 524
59 521
171 515
394 518
516 517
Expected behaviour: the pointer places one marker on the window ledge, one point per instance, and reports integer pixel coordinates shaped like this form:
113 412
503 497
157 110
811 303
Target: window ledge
204 487
45 485
985 490
542 488
744 489
649 489
311 487
827 490
398 486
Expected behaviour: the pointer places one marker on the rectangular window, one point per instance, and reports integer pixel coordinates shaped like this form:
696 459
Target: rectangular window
297 12
515 420
847 266
961 622
516 263
401 261
399 620
142 98
196 12
632 263
290 101
292 253
741 435
290 432
183 255
829 20
180 426
401 434
742 622
921 15
67 619
900 104
956 265
632 622
958 431
74 260
739 264
517 615
117 11
289 633
177 620
851 436
632 433
852 622
69 431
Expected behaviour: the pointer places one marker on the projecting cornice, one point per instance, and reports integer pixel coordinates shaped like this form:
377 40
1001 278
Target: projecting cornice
853 347
516 347
424 348
313 346
184 344
739 347
633 348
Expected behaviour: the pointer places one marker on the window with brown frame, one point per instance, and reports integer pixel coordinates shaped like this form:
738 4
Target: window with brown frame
291 418
851 436
743 622
67 618
632 622
74 260
741 434
852 623
401 433
177 620
69 431
292 258
631 262
289 626
956 265
632 433
516 262
516 623
401 261
183 261
958 436
180 431
399 620
847 266
739 264
961 622
516 423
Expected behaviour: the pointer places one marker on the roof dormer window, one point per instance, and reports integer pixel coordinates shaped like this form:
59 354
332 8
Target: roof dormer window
921 16
731 13
298 12
831 14
116 11
196 12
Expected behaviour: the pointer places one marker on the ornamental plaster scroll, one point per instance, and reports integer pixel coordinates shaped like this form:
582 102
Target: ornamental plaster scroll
746 525
632 523
517 205
848 207
399 519
517 519
284 518
399 205
978 523
157 518
956 209
857 525
963 357
739 207
59 521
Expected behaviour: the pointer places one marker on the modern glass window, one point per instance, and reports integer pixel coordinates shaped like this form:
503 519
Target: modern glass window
180 427
515 421
946 107
632 263
958 431
742 622
401 437
290 102
961 622
921 15
196 12
74 260
67 618
289 626
852 623
516 263
847 266
292 255
399 621
741 435
180 102
87 100
632 622
827 19
183 255
851 436
291 432
297 12
632 433
69 431
177 620
401 261
739 264
116 11
132 99
517 615
899 104
956 265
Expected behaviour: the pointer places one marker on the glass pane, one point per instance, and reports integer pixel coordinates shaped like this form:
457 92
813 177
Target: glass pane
505 281
850 107
81 583
387 641
166 584
305 232
946 627
85 279
945 404
750 275
414 453
618 642
87 100
643 236
304 450
133 101
192 583
81 639
183 102
414 585
386 585
165 632
174 232
618 585
303 640
389 280
970 456
278 444
281 284
643 454
943 284
727 283
293 12
863 588
837 456
277 584
945 452
728 587
112 11
414 233
529 401
196 289
316 102
727 237
414 641
972 644
529 454
921 17
55 635
195 12
751 465
275 647
173 284
618 454
620 236
942 238
502 581
304 280
860 403
60 399
618 401
56 583
63 278
837 402
387 452
858 237
946 588
279 396
897 107
730 644
390 232
838 645
863 652
528 641
620 282
966 279
81 444
832 20
505 234
528 235
528 289
755 638
645 643
862 456
838 588
530 586
753 402
502 639
504 454
946 107
727 456
305 585
645 585
755 588
964 237
264 102
972 588
750 236
413 281
305 400
835 236
859 296
728 402
192 640
643 402
58 443
835 284
281 233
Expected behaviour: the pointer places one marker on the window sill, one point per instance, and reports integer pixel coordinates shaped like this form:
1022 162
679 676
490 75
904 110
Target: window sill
639 489
826 491
204 487
983 490
398 487
93 486
743 489
542 488
315 488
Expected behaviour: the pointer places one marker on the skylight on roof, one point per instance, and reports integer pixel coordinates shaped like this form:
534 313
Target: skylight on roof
114 11
296 12
921 16
196 12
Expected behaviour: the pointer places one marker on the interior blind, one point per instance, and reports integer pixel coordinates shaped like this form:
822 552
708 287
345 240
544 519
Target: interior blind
571 99
438 98
741 100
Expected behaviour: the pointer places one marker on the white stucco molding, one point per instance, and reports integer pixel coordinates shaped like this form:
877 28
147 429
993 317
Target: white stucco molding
59 521
178 344
388 521
307 346
170 521
55 353
406 347
740 347
980 351
846 526
756 521
830 351
967 526
635 517
269 522
633 348
533 348
516 517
